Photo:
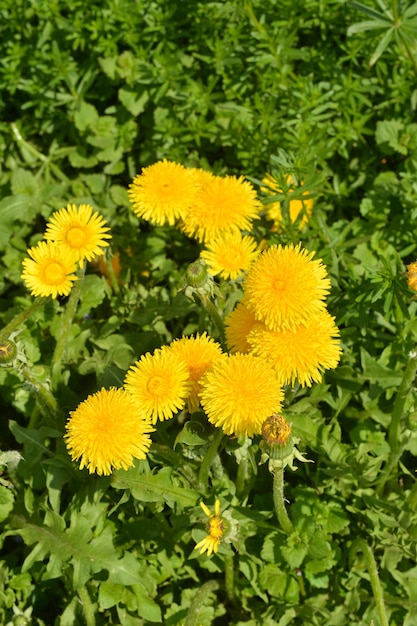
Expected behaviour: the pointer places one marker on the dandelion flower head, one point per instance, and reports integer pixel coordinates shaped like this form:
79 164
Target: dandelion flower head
296 206
163 192
239 393
198 353
215 530
412 275
230 254
300 354
107 432
238 325
79 229
49 271
223 204
285 287
159 383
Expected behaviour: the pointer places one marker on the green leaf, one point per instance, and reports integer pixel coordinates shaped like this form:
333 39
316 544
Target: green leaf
6 502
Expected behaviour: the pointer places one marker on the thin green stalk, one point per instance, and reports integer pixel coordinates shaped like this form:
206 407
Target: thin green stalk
208 459
362 546
46 400
229 577
279 502
20 318
215 316
67 318
198 604
87 605
402 393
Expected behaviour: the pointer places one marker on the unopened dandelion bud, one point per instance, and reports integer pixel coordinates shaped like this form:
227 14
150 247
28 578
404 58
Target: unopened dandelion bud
8 351
277 439
196 275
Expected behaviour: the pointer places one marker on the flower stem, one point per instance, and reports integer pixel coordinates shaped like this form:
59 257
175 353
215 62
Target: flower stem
209 458
279 502
21 317
229 577
46 400
215 316
67 318
197 605
87 605
362 546
402 393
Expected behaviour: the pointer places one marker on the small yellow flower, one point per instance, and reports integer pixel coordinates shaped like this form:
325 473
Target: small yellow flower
80 230
223 204
215 530
239 393
50 270
238 325
159 384
106 431
163 192
198 353
302 353
230 254
412 276
273 209
284 287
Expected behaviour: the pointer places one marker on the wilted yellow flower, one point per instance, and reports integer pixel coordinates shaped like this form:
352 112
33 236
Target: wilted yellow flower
230 254
159 384
106 431
239 393
50 270
284 287
79 230
273 209
223 204
238 325
163 192
300 354
215 530
198 353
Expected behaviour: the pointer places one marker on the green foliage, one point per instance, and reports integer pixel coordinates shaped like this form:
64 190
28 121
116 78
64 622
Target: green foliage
91 93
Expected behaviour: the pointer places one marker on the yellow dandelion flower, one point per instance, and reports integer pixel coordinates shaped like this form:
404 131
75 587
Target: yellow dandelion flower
238 325
79 229
107 432
163 192
239 393
300 354
50 270
198 353
159 383
284 287
230 254
223 204
297 206
412 275
215 530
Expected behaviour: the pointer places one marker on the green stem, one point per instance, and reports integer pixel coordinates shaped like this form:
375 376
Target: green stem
46 160
242 477
21 317
229 577
112 275
402 393
197 605
209 458
215 316
67 318
279 502
87 605
46 400
362 546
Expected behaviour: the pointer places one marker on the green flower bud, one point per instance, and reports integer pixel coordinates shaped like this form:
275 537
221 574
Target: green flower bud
196 275
8 351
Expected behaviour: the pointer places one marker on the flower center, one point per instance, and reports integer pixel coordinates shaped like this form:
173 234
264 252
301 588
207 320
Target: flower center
215 527
54 273
76 237
156 386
